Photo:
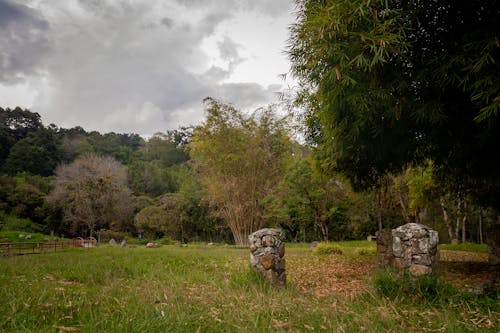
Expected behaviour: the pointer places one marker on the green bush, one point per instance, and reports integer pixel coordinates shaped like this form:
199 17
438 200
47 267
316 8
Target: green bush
325 248
106 235
166 240
366 251
135 241
14 223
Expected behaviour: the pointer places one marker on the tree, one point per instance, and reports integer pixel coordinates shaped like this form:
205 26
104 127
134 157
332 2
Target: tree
39 153
16 124
150 178
241 159
162 148
160 220
92 194
309 197
388 83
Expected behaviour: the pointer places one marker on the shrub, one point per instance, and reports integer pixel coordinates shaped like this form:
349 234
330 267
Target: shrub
325 248
106 235
165 240
366 251
135 241
14 223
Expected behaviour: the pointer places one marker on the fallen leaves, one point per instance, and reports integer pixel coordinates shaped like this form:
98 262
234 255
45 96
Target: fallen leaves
324 276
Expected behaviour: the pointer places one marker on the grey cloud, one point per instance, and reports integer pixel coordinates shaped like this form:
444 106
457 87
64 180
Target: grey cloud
272 8
168 22
216 74
228 50
105 71
23 42
246 95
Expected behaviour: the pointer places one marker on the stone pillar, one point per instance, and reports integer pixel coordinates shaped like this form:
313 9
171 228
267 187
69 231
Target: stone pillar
267 249
493 241
384 248
415 248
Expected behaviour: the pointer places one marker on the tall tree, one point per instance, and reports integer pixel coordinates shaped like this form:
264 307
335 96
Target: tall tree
16 124
310 197
92 194
241 159
386 83
39 153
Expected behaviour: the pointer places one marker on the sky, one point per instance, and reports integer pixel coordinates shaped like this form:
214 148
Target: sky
140 66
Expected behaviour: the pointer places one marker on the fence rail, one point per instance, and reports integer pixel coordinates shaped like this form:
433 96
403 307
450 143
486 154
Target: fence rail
17 248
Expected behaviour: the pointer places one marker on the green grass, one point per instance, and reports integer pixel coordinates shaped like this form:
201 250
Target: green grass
325 248
349 248
469 247
202 289
13 236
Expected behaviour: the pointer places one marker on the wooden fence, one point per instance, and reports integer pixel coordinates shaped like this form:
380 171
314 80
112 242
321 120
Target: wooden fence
17 248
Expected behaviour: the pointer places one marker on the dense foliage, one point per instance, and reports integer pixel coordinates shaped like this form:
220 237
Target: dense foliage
390 83
246 173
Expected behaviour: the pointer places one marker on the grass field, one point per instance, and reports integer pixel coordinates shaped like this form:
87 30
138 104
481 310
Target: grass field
20 236
211 289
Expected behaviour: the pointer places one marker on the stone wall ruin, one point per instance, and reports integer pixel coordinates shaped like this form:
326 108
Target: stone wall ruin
411 246
267 249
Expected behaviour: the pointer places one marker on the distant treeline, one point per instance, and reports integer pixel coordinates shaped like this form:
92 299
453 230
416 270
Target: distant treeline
231 175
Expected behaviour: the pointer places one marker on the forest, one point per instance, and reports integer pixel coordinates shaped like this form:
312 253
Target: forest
216 182
399 111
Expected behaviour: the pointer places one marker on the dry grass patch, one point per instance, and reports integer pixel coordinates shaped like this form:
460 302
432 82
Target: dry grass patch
330 275
462 256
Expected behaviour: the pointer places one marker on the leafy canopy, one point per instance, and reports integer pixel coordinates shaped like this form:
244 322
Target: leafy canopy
387 83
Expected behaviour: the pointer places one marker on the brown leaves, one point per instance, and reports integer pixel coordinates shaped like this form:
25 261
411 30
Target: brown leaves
324 276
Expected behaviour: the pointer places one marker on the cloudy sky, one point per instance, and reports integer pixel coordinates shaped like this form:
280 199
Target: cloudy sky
140 66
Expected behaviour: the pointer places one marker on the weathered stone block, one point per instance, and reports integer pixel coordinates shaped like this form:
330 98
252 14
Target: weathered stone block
415 248
419 270
493 241
384 247
267 250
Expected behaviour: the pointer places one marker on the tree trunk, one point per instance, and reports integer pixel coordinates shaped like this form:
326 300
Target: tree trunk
379 208
404 207
324 231
446 219
464 220
459 210
480 227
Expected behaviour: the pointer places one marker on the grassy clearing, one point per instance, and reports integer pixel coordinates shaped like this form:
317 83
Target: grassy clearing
468 247
14 236
212 289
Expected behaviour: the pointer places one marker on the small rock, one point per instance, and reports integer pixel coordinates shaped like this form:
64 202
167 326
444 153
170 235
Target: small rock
27 237
281 250
123 243
112 241
314 244
267 240
418 270
267 261
150 245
